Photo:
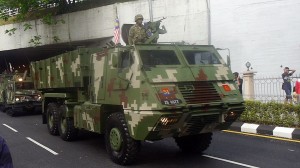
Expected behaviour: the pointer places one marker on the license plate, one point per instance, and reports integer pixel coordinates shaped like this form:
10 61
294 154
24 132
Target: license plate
171 102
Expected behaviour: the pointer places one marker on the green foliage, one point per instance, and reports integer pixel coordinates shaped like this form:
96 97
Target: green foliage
56 39
35 40
10 31
30 9
50 20
27 26
272 113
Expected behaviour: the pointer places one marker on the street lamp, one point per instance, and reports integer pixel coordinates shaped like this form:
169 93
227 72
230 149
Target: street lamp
228 56
248 65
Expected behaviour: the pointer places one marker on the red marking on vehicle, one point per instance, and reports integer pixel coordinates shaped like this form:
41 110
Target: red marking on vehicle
65 61
110 86
101 54
165 91
201 75
123 99
226 88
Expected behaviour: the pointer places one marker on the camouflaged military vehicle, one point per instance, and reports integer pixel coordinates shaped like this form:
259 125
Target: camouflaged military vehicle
136 93
18 95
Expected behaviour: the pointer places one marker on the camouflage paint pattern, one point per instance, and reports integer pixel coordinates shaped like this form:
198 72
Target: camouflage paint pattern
158 102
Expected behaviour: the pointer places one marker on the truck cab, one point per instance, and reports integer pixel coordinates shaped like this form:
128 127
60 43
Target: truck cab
174 90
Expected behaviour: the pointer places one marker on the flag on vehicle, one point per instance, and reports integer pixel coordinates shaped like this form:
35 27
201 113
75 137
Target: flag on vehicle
117 31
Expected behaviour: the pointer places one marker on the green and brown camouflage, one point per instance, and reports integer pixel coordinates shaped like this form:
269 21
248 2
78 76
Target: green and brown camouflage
164 90
138 92
18 94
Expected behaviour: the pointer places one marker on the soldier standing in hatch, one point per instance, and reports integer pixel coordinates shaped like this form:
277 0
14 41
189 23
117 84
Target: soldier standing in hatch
137 33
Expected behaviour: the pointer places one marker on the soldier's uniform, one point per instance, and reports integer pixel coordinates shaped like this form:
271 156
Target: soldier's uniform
137 33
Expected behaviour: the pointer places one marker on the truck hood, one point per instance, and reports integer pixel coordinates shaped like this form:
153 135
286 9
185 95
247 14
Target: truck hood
167 75
211 73
183 74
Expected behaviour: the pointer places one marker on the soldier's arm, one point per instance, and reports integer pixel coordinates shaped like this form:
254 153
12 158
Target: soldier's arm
130 36
292 71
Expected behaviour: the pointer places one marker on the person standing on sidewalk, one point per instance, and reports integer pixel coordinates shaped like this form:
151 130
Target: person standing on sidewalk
287 86
238 81
5 157
297 91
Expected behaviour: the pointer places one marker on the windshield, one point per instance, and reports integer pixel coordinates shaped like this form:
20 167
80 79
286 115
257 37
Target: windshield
159 57
200 57
24 85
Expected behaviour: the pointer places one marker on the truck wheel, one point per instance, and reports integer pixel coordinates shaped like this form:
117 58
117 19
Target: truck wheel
194 143
10 112
52 118
66 128
121 147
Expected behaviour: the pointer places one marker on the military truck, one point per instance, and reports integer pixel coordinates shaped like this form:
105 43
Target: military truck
18 95
135 93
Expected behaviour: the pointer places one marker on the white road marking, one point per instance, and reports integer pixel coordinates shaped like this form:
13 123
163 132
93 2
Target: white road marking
10 127
46 148
229 161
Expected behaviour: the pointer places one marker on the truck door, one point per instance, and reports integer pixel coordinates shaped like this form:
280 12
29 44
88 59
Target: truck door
97 89
124 71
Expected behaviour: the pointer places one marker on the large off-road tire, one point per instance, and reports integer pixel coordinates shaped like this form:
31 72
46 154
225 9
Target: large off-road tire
194 143
121 147
66 128
10 112
52 118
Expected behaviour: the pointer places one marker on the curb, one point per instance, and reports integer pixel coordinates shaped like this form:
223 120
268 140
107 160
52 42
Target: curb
283 132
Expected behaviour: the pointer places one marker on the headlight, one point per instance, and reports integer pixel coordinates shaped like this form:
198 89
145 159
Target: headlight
38 98
17 99
168 120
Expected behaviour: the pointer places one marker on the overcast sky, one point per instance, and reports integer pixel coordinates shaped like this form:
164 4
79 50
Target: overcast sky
264 32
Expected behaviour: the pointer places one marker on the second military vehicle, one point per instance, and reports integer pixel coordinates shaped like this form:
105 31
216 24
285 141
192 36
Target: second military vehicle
136 93
18 95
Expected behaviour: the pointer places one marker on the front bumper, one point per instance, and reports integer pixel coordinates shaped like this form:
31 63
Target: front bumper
28 106
155 125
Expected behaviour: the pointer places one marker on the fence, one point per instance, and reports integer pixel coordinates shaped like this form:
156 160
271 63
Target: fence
268 89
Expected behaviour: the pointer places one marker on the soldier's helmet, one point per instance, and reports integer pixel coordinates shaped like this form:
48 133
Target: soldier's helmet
139 16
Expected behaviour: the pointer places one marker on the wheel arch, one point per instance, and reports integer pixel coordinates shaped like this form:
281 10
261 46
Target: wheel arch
51 98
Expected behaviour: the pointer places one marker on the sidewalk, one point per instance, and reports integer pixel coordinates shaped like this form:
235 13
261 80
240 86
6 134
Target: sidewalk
284 132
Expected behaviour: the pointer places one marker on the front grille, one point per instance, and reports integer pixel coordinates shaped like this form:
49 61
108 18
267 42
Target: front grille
196 123
199 92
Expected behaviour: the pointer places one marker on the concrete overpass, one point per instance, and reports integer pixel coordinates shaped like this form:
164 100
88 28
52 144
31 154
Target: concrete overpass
186 21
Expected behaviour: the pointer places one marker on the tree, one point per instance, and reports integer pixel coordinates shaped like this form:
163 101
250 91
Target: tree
32 9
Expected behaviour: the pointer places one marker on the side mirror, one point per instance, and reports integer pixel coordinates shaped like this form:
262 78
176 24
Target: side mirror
115 60
228 61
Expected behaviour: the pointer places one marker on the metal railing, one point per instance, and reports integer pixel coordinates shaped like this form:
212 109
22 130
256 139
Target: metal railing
268 89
